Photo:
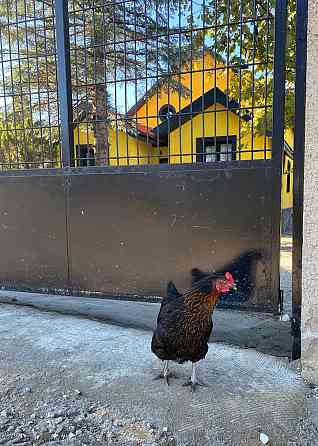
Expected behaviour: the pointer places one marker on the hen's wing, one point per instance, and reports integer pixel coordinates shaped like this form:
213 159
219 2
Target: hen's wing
164 335
209 330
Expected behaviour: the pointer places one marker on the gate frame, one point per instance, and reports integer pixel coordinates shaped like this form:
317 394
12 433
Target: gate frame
299 158
64 82
280 37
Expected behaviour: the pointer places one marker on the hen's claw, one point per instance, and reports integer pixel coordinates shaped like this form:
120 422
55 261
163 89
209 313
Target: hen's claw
193 381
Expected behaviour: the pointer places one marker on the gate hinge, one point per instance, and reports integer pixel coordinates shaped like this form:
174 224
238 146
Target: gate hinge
281 302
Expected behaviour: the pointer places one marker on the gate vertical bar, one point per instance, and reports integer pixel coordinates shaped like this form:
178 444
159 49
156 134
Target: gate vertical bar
299 149
278 135
64 81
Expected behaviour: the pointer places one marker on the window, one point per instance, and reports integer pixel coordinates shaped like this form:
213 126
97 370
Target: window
85 155
163 158
166 112
288 178
220 148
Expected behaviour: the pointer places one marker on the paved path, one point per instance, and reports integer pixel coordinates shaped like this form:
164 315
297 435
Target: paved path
264 332
286 272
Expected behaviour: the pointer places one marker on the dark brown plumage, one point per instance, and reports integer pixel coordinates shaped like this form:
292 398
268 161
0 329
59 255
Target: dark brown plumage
184 323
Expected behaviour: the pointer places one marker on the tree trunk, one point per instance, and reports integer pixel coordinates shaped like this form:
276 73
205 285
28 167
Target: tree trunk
100 96
101 127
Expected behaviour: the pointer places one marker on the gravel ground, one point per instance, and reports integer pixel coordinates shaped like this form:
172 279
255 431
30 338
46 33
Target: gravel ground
70 419
307 426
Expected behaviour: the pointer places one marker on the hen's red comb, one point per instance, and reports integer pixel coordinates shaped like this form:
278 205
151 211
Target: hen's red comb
229 278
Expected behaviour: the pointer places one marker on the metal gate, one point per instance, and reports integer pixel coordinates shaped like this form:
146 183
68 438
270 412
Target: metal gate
138 143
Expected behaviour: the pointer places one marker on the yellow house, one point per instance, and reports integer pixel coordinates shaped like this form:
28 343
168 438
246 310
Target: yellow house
203 125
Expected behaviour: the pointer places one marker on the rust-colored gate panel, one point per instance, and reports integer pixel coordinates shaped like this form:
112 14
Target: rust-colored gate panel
131 232
33 232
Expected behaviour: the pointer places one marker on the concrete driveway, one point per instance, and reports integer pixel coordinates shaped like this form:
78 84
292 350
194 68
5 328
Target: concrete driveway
248 392
264 332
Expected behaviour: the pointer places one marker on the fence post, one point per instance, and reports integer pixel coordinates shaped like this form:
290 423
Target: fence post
278 133
64 82
299 149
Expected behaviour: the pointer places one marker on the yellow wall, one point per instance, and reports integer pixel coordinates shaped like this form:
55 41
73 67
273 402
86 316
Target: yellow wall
123 150
287 197
126 150
289 137
83 135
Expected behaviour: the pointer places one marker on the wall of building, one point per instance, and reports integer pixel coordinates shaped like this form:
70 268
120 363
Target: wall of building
124 150
310 246
215 121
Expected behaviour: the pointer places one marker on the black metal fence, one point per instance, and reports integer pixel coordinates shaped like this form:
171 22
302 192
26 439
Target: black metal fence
157 116
138 82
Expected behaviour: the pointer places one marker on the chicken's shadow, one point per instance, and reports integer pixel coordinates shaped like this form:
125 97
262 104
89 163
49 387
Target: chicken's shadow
244 270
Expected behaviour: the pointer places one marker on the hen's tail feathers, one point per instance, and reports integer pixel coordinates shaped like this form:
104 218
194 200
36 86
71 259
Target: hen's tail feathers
197 275
172 290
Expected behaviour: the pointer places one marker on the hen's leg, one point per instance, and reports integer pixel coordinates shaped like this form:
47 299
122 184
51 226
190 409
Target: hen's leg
194 381
165 374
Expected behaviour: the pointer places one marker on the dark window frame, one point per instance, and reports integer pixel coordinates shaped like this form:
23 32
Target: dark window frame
201 143
82 152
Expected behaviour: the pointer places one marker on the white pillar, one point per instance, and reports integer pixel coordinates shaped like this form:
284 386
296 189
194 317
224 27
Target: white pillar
310 247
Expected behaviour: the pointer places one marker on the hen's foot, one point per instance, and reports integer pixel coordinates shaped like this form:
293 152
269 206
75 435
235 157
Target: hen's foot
194 384
194 381
166 374
166 377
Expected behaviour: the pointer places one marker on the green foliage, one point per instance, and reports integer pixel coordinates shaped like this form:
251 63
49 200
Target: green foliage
26 142
242 33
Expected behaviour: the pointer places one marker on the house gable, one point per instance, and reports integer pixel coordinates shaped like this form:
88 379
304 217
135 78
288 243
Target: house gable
198 78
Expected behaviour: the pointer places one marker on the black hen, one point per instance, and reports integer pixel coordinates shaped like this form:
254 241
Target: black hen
184 322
